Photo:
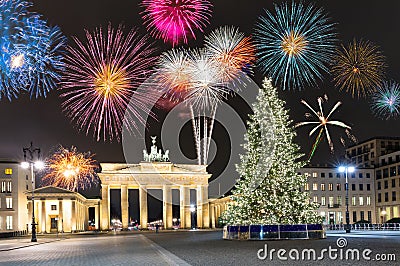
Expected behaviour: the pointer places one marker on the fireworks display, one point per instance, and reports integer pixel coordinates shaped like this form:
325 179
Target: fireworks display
232 50
295 45
359 68
386 100
322 124
101 78
175 21
70 169
31 57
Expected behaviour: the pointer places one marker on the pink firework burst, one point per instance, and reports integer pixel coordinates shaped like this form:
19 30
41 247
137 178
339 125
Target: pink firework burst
176 20
101 79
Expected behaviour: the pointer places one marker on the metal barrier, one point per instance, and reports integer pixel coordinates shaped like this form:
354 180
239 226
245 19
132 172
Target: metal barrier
364 227
13 234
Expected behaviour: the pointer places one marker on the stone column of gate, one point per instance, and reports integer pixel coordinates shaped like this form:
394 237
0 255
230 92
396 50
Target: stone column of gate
105 207
143 206
96 217
60 216
199 203
185 207
212 209
124 207
167 206
205 207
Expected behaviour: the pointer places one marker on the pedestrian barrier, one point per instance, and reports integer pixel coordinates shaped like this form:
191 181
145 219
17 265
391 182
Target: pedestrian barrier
366 226
13 234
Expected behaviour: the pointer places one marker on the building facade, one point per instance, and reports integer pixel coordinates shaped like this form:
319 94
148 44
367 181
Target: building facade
327 186
14 181
61 210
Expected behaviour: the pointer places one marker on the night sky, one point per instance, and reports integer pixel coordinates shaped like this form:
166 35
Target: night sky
42 121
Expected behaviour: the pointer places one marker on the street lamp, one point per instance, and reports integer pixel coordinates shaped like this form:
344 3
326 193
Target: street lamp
30 163
193 209
346 170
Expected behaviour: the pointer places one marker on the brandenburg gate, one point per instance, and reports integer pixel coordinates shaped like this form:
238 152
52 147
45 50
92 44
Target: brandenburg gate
156 172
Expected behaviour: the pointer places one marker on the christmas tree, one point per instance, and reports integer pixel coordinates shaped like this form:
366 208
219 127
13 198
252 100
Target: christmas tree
270 189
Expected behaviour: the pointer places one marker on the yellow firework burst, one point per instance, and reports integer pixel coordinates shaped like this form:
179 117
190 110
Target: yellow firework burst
359 68
71 169
294 43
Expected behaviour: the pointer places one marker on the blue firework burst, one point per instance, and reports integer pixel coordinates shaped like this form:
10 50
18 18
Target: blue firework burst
31 51
295 44
386 101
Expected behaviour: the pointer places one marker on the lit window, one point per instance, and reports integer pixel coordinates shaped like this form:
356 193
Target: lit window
315 186
322 187
315 199
306 187
361 201
338 187
53 207
339 200
8 171
3 186
353 201
9 186
9 223
314 174
368 200
9 203
330 201
323 201
330 186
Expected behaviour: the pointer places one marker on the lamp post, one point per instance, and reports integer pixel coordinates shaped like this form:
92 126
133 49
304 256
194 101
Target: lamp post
30 163
346 170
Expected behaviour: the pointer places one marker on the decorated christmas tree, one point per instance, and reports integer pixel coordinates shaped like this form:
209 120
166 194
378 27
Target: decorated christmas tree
269 190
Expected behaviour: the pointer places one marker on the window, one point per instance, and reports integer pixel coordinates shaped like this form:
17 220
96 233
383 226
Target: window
386 196
315 186
315 199
354 216
322 187
378 174
372 155
379 197
9 203
9 186
322 174
9 222
393 182
323 201
338 175
8 171
368 175
27 188
330 187
368 187
362 215
339 200
353 187
379 185
361 187
393 195
3 186
368 200
361 201
331 175
369 216
26 177
386 184
314 174
330 201
386 173
398 169
53 207
393 171
360 175
338 187
306 187
353 201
